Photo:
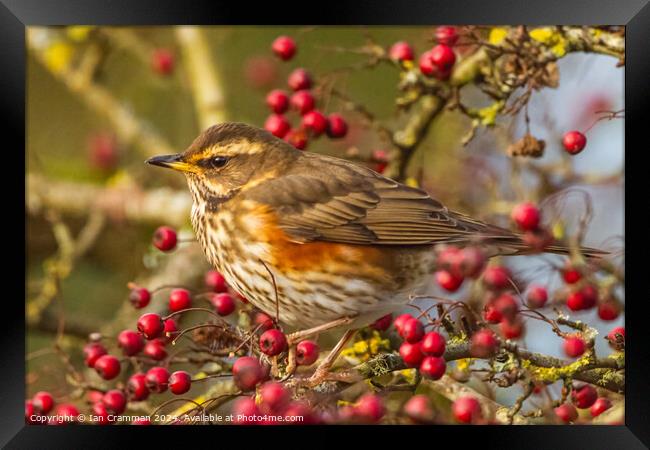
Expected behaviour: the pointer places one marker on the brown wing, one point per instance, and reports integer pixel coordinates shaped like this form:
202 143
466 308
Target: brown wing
330 199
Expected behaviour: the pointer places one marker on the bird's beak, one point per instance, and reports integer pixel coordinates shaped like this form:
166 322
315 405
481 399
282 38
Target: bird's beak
172 162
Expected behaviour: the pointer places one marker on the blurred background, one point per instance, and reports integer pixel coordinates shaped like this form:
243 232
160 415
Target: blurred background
135 92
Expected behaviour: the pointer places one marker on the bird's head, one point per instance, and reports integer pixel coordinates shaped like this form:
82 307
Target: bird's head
227 158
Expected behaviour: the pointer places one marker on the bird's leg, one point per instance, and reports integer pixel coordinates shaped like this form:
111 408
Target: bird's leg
302 334
322 371
290 369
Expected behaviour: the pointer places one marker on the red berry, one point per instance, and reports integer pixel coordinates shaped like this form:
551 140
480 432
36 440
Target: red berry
566 413
570 274
43 402
370 407
101 413
274 396
136 387
162 61
151 325
443 56
92 352
511 329
67 413
29 411
337 126
261 71
496 277
300 409
492 314
179 299
609 310
450 259
307 353
130 342
537 296
303 101
411 354
103 151
107 366
284 47
585 396
507 306
400 321
115 401
473 261
179 382
483 344
383 323
616 338
170 330
223 303
215 281
574 346
401 51
446 35
574 142
263 321
273 342
412 331
156 379
429 68
277 125
585 298
419 408
526 216
299 79
298 138
247 372
155 350
466 409
141 421
433 367
165 239
315 122
433 344
278 101
448 281
244 410
139 297
601 405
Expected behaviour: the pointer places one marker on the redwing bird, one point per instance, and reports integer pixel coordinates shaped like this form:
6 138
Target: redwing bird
338 243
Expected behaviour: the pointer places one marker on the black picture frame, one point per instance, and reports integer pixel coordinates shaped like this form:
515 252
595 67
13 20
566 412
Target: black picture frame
15 15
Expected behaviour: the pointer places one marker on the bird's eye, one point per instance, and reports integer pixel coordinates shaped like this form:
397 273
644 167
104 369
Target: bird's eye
218 161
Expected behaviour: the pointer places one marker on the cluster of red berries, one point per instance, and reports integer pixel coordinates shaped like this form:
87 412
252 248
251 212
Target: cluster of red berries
419 349
42 403
582 397
455 264
437 62
313 123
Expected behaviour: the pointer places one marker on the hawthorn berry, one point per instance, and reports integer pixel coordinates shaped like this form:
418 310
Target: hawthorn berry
315 122
473 261
448 281
151 325
412 331
584 298
298 138
180 382
300 409
337 127
447 35
278 101
411 354
574 346
616 338
103 151
428 68
67 413
601 405
443 57
215 281
247 372
566 413
277 125
466 409
511 329
284 47
433 367
169 330
273 342
223 303
507 306
179 299
92 352
136 387
102 414
401 51
29 411
537 296
115 401
244 409
496 277
274 396
491 314
165 238
43 402
307 353
130 342
570 274
263 321
574 142
526 216
155 350
141 421
483 344
156 379
299 79
383 323
433 344
584 396
303 102
370 407
107 366
609 310
400 321
419 408
139 297
162 61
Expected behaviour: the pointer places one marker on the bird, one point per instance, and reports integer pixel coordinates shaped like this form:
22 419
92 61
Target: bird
317 241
